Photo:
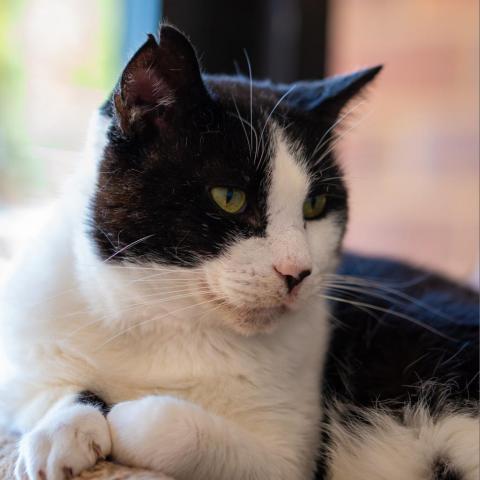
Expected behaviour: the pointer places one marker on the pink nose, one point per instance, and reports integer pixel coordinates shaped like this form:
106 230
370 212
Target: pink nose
292 274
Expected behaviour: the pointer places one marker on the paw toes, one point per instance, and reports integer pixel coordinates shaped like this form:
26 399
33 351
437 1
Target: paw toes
65 447
97 451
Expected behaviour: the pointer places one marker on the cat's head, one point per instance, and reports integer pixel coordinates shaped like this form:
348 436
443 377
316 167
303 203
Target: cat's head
231 181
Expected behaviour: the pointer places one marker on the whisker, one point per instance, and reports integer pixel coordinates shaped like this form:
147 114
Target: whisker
139 324
159 294
358 283
129 265
337 140
251 94
338 291
340 119
130 307
211 310
242 121
162 277
390 283
388 311
272 112
132 244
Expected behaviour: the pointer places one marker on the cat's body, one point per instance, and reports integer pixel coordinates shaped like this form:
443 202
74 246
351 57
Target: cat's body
265 385
401 384
203 326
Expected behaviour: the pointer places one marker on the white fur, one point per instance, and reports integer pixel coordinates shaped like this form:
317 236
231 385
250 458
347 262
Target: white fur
394 450
70 439
289 189
155 431
229 364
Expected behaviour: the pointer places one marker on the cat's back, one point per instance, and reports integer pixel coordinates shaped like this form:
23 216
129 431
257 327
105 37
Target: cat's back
404 334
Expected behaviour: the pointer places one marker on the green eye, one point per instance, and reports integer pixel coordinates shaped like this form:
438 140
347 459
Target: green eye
232 200
314 206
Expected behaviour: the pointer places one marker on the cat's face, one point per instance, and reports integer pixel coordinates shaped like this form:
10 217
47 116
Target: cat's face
229 180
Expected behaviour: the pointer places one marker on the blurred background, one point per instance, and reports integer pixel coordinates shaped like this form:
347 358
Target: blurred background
412 150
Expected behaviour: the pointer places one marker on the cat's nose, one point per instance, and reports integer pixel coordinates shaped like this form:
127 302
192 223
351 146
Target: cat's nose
292 276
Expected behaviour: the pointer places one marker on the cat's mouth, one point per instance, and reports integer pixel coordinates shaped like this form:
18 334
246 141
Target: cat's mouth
249 319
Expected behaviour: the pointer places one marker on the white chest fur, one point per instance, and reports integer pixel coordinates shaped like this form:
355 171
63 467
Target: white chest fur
56 336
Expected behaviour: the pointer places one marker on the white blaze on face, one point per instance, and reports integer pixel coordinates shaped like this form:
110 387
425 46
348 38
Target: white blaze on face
289 188
252 276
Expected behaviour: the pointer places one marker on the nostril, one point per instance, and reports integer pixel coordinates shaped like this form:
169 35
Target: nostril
304 274
292 281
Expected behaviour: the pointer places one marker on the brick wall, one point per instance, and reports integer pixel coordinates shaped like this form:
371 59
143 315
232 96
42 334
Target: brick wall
412 159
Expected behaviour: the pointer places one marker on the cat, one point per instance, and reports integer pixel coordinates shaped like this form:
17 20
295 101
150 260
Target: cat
173 312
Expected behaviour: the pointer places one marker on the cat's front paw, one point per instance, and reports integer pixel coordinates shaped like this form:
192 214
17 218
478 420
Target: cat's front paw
156 432
63 445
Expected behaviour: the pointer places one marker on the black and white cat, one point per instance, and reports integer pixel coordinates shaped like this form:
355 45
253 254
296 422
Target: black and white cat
173 311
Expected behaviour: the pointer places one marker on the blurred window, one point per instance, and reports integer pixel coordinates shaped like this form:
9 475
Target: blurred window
58 61
410 152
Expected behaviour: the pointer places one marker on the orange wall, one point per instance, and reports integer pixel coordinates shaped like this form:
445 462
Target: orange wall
412 158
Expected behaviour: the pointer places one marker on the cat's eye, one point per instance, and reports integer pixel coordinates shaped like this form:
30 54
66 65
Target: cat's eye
232 200
314 206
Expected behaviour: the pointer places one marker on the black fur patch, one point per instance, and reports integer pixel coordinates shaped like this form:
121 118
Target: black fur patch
157 189
443 470
175 134
89 398
422 345
380 358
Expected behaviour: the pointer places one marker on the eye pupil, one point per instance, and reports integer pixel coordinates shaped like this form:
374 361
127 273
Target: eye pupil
231 200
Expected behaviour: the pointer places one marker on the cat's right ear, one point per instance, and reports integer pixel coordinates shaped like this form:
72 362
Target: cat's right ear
159 83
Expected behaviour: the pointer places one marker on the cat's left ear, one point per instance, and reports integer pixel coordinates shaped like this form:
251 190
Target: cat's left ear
328 97
160 82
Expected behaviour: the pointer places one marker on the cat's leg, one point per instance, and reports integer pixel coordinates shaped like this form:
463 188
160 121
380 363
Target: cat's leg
68 436
185 441
377 445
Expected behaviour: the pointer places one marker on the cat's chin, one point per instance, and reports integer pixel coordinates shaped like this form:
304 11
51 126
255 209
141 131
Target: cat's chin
251 321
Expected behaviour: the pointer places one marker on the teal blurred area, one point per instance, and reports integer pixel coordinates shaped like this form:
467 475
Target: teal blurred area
58 62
